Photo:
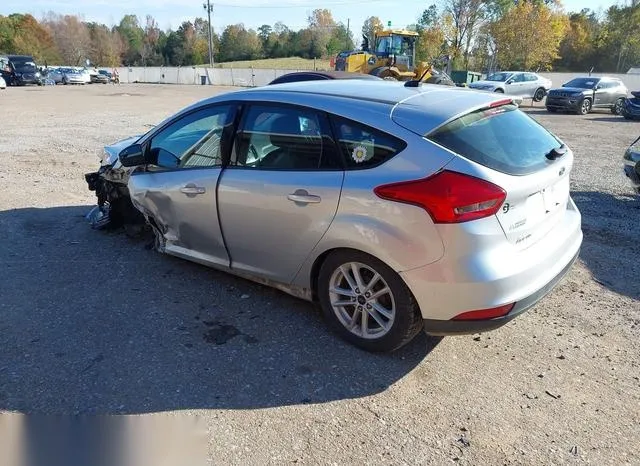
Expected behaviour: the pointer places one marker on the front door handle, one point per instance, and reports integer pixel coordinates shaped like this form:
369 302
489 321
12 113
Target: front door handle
301 196
191 190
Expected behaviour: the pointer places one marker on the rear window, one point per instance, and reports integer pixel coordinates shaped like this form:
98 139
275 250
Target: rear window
503 138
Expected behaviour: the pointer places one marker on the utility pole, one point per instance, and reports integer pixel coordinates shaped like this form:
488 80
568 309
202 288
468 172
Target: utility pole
348 31
209 8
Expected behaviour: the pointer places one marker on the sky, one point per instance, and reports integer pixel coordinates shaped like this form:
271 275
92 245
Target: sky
253 13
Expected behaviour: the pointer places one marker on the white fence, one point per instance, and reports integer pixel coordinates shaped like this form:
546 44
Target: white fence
244 77
247 77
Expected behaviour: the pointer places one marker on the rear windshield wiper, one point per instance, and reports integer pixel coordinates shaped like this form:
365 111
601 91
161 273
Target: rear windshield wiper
557 152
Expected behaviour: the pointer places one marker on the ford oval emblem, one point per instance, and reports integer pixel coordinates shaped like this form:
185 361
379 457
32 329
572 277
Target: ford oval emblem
562 170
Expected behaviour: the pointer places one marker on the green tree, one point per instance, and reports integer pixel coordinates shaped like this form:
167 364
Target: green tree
528 36
372 26
133 36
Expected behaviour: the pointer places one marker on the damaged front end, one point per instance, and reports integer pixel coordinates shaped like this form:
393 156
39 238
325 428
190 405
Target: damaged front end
114 209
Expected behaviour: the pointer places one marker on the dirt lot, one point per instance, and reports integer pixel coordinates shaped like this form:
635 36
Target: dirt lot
94 322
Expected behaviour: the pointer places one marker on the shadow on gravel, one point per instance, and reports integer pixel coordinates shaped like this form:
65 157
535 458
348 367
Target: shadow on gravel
612 119
610 248
95 322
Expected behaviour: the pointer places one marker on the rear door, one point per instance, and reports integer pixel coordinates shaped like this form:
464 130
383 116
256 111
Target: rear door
280 192
179 192
514 147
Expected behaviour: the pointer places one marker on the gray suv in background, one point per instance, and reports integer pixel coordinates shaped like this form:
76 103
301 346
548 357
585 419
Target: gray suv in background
581 95
522 84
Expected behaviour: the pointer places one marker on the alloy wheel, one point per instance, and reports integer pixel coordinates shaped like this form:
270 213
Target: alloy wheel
586 106
362 300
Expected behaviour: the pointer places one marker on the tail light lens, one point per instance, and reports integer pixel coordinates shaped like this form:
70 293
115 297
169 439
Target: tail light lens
486 314
449 197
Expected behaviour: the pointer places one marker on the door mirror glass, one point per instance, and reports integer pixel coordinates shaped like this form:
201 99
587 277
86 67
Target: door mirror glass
132 156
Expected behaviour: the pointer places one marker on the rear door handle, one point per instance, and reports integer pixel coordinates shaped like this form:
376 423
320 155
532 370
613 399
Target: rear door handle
191 190
303 197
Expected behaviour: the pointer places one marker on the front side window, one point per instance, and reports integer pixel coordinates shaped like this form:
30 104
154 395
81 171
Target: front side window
284 138
365 147
192 141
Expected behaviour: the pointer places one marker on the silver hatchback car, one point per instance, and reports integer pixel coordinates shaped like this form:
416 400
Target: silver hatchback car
395 208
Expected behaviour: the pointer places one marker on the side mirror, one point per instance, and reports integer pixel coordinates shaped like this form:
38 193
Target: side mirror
132 156
509 81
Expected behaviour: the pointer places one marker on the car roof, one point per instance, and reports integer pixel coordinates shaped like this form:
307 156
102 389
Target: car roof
419 109
320 75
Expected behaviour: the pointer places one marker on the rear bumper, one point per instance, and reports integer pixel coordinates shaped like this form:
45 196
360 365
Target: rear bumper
461 327
491 273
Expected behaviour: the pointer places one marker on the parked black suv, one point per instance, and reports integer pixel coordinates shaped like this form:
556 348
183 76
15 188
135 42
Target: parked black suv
19 70
580 95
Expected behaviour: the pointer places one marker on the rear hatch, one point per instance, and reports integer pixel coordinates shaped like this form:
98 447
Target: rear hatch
503 145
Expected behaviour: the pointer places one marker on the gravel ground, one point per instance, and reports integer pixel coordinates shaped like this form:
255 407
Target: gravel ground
95 323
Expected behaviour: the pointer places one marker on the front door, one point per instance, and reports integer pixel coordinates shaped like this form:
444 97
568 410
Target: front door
281 190
179 192
516 85
603 94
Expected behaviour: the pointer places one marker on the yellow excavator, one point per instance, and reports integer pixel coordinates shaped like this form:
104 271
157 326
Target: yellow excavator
393 57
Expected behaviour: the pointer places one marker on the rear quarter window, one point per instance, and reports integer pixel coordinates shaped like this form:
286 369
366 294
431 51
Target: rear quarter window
364 147
503 138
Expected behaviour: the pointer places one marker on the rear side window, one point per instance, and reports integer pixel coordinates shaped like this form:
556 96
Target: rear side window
365 147
502 138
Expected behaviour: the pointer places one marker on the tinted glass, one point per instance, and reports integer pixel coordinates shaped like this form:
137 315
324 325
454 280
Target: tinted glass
192 141
283 138
530 77
365 147
504 139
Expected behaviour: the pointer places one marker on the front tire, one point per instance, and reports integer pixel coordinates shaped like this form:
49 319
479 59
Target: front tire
552 109
584 107
366 302
618 107
539 95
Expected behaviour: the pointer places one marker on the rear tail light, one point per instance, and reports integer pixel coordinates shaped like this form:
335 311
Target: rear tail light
449 197
486 314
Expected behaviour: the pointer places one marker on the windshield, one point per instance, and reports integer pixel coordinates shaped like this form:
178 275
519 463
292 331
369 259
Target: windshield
582 83
397 45
24 66
499 77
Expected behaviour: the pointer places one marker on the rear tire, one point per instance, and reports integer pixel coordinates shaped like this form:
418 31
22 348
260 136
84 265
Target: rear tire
585 107
552 110
618 107
539 95
381 323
